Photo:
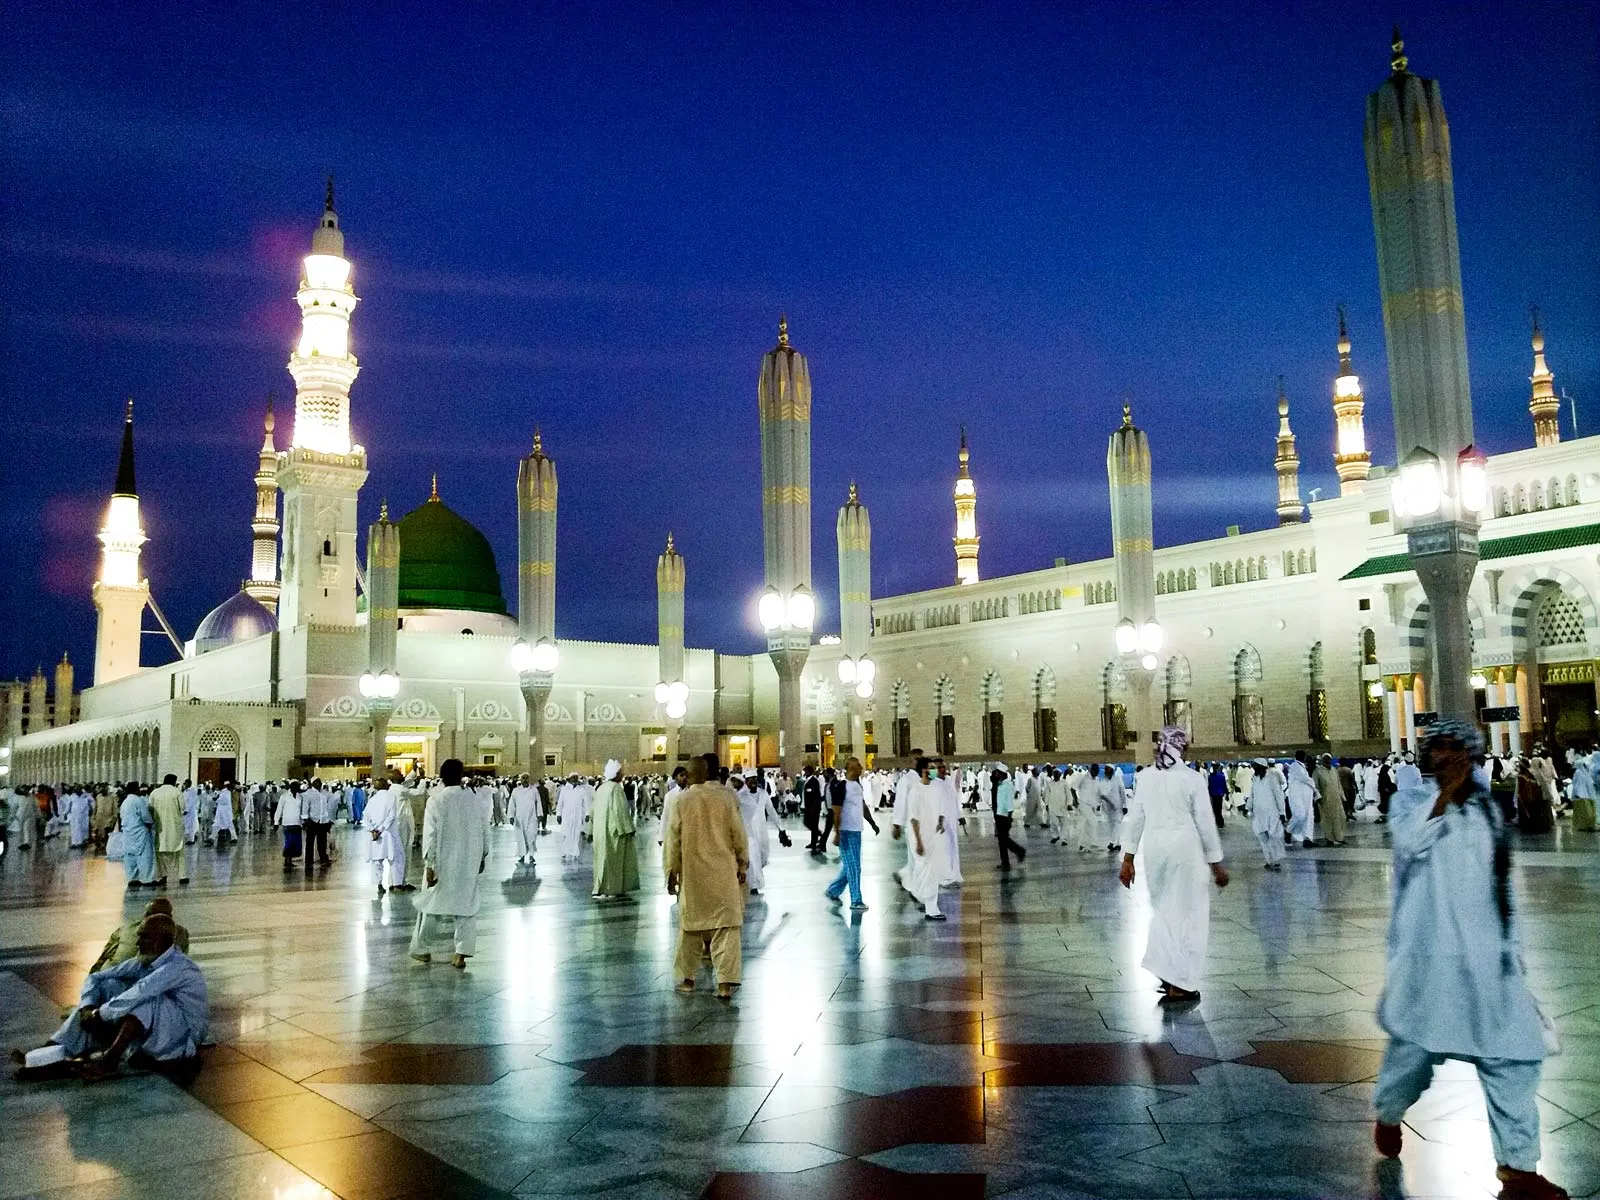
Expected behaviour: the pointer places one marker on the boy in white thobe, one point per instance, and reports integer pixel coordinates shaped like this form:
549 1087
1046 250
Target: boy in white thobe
1455 985
387 842
222 818
1170 825
572 808
1266 814
952 820
925 818
455 849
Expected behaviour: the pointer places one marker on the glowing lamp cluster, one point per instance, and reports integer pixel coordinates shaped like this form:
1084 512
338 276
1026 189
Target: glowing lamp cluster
1375 690
1144 640
385 685
541 658
675 697
860 672
1422 491
798 611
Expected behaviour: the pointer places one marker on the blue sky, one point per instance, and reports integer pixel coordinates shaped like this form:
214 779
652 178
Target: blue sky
587 217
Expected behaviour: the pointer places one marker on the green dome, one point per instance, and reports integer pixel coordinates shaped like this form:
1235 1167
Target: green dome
446 563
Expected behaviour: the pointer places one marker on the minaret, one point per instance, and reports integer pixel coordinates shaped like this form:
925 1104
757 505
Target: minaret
966 538
1545 405
857 670
1133 551
38 701
1407 143
672 692
321 473
1287 463
121 592
1350 457
535 656
263 582
63 709
381 682
787 608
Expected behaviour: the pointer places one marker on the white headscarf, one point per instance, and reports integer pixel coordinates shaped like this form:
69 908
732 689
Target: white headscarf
613 769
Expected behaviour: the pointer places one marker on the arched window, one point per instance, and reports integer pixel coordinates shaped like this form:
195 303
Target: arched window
1249 717
1179 709
900 706
1227 573
1044 710
1250 570
1558 621
990 695
1536 496
1553 490
1113 708
1316 697
1191 579
1305 562
944 704
1572 489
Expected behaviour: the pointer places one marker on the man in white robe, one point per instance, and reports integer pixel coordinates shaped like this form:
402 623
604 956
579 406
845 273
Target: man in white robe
1267 810
525 809
1171 827
680 776
572 809
951 809
899 819
759 817
925 822
77 809
386 844
1301 795
222 827
191 813
455 839
1113 794
1455 986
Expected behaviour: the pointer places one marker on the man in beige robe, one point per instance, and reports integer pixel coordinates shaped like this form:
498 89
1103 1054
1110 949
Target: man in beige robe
707 860
166 805
1330 800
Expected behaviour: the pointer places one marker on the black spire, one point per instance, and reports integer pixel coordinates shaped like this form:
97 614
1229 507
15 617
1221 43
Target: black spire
125 481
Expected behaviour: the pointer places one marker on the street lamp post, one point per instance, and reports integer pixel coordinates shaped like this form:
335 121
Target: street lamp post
787 621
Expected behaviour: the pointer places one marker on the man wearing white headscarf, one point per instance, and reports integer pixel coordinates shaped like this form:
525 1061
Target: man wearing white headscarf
1301 795
526 808
1170 825
758 816
616 866
1267 813
925 817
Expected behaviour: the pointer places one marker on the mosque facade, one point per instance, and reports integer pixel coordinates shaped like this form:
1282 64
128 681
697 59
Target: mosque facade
1312 633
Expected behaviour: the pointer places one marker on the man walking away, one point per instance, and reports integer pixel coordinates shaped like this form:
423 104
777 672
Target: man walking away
454 852
706 862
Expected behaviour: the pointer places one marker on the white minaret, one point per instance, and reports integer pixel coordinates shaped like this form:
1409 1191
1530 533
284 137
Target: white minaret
121 592
1351 460
672 692
321 473
263 582
1138 634
535 655
857 671
1544 404
380 684
1287 463
966 539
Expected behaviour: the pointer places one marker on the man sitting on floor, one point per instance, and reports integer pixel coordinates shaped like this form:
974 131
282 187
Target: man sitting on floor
153 1005
123 943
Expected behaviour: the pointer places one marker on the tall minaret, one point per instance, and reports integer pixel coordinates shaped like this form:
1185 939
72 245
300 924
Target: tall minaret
535 654
121 592
854 534
381 682
672 692
38 701
63 707
1287 463
1419 268
263 582
788 608
1133 552
321 473
966 539
1350 457
1545 405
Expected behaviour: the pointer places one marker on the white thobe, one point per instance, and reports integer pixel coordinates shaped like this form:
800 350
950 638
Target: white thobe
901 817
191 814
385 844
454 842
925 807
952 822
1302 801
525 817
1266 815
222 817
1170 826
572 806
77 812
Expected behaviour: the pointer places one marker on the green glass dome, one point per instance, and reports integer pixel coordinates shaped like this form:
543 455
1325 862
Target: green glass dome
446 563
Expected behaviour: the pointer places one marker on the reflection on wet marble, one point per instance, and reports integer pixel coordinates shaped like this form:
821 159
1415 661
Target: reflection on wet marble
1016 1050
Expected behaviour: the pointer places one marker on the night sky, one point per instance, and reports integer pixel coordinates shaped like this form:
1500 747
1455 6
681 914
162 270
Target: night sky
587 217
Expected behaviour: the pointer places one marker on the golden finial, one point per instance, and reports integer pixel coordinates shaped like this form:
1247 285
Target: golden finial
854 498
670 550
783 329
271 421
1127 414
1538 334
434 499
129 417
63 657
538 442
383 511
1283 399
1398 61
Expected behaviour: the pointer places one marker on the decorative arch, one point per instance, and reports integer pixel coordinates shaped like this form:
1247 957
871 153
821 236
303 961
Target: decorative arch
992 691
1314 665
1249 711
900 698
1529 589
1044 688
220 741
944 695
1417 618
1179 708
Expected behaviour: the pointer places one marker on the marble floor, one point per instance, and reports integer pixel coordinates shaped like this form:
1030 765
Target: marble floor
1017 1050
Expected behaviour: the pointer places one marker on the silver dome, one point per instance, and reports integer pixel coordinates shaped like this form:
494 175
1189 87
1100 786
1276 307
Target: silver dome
237 619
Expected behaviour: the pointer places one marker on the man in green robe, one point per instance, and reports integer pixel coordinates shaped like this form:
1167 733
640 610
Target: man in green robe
616 865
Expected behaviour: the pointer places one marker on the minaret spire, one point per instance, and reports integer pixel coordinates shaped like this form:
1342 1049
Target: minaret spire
1544 404
1397 53
1351 460
263 581
127 484
966 498
1287 463
121 591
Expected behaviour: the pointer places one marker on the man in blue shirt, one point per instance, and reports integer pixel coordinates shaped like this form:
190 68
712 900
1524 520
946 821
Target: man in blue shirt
1005 796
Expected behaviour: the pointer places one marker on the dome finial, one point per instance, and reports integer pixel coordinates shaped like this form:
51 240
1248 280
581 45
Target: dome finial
538 442
783 329
855 497
383 511
1127 414
1283 400
670 549
1538 334
434 498
271 421
1397 47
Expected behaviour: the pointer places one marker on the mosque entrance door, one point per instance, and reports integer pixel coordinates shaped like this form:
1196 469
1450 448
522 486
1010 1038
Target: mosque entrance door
1568 710
216 771
830 746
